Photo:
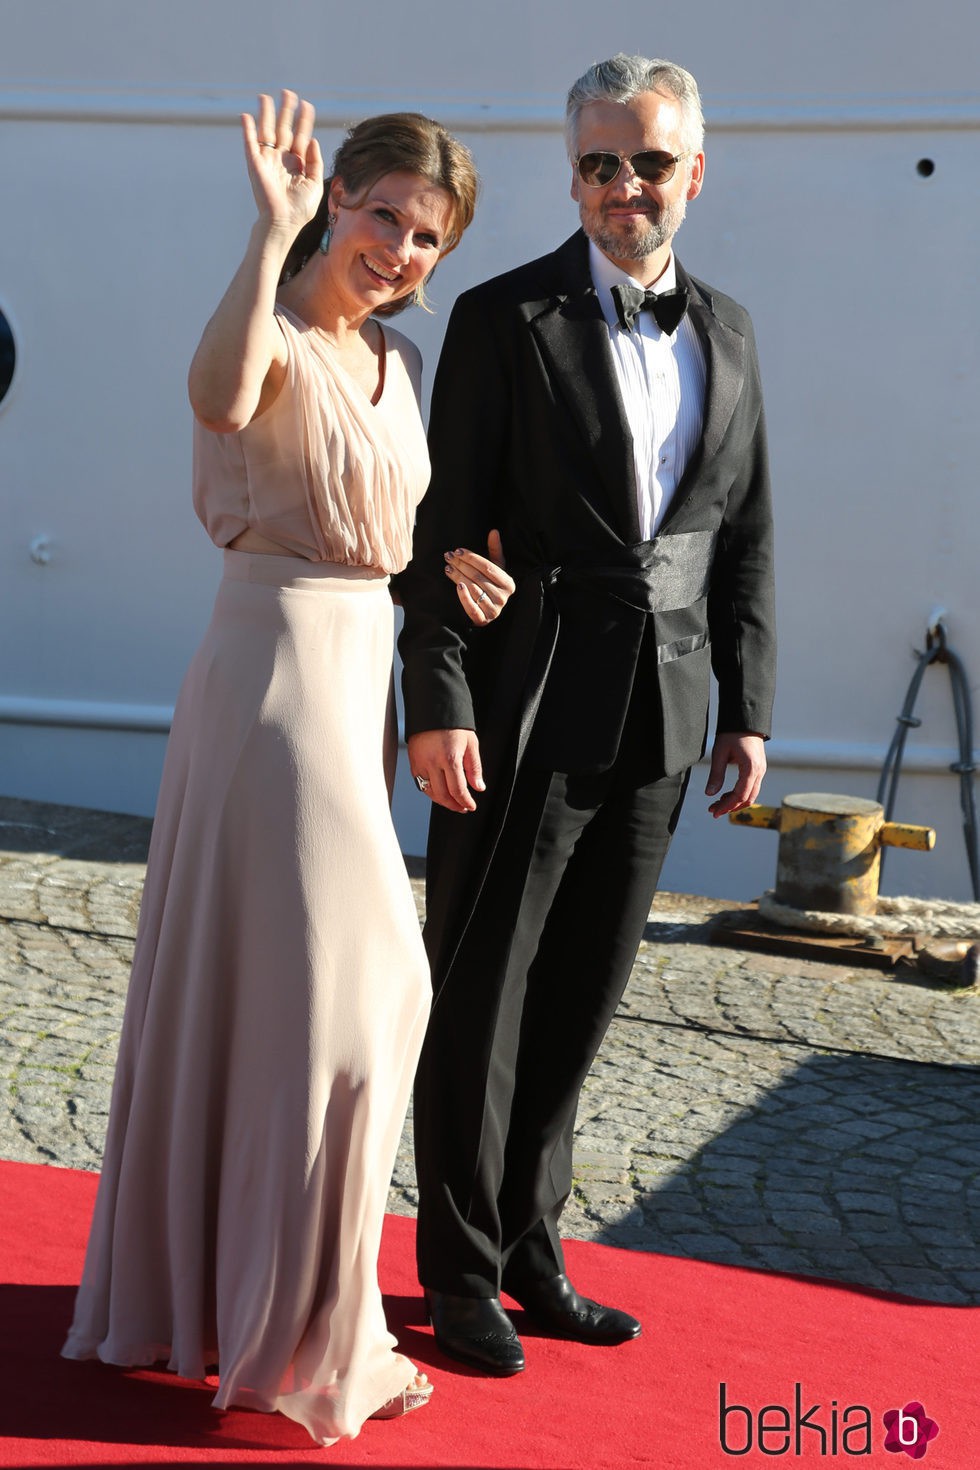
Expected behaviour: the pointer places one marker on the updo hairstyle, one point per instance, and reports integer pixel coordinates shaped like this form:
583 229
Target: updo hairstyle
394 142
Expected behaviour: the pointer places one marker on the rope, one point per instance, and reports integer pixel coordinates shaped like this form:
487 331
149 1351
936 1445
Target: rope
895 916
937 650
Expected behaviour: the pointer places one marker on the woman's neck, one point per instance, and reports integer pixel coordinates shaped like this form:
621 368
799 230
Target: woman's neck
313 297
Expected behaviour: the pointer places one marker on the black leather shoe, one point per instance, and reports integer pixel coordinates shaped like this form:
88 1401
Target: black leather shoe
556 1306
475 1330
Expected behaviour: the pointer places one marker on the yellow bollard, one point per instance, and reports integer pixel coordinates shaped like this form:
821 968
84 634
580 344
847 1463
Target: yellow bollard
830 849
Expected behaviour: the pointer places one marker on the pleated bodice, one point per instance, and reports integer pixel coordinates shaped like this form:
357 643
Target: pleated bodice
323 472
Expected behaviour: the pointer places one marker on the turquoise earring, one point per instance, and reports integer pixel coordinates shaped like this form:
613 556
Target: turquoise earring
327 234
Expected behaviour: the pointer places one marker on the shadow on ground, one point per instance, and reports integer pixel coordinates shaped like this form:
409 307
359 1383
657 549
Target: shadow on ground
73 832
860 1169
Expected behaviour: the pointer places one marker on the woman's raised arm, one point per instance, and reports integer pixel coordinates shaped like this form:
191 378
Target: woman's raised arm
239 364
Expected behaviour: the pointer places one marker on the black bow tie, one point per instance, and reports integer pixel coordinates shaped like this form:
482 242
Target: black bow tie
668 307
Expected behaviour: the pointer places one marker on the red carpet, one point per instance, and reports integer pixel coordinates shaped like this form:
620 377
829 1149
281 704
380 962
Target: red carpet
653 1402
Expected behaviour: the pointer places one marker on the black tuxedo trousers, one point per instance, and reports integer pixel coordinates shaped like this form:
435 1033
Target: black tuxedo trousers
518 1023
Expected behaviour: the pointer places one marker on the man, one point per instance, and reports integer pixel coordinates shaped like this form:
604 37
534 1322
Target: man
623 459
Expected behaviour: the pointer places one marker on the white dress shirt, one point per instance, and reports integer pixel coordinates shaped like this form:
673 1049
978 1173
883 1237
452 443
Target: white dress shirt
662 382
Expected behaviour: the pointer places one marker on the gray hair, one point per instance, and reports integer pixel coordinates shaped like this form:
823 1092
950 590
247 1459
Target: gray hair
624 77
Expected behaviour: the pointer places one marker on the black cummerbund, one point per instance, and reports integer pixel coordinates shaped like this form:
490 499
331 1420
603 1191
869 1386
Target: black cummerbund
662 575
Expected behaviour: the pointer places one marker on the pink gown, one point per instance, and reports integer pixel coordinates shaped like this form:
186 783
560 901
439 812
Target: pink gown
280 989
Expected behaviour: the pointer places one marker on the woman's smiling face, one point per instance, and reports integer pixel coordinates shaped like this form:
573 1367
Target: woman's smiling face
385 243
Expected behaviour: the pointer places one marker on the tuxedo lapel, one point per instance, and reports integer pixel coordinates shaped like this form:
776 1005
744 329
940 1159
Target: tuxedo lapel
724 354
574 342
572 335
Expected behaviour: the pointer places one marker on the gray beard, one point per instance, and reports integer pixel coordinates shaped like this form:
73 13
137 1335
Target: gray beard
634 242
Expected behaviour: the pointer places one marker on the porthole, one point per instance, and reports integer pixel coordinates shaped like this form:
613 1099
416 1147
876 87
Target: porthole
8 356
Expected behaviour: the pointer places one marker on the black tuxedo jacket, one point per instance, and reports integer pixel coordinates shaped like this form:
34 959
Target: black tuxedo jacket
528 434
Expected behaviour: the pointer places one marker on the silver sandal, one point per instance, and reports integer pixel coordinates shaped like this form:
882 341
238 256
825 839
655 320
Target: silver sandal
415 1396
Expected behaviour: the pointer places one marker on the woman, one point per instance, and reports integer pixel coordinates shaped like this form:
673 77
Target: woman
279 989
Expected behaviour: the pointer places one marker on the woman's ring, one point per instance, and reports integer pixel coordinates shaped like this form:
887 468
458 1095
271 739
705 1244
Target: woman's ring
423 783
481 596
267 145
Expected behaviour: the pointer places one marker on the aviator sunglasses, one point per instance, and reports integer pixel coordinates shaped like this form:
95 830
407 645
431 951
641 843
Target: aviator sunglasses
599 169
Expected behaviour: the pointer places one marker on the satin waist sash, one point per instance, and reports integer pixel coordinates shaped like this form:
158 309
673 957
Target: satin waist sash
658 576
662 575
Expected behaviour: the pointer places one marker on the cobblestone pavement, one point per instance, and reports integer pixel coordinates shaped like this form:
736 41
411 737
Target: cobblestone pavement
745 1108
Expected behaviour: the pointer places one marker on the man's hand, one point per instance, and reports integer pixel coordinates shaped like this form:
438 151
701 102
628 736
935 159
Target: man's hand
748 754
450 761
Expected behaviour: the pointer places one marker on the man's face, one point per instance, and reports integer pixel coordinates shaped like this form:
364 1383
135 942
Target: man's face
630 220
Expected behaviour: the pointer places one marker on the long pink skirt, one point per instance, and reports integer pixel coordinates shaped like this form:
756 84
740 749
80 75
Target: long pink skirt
276 1009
